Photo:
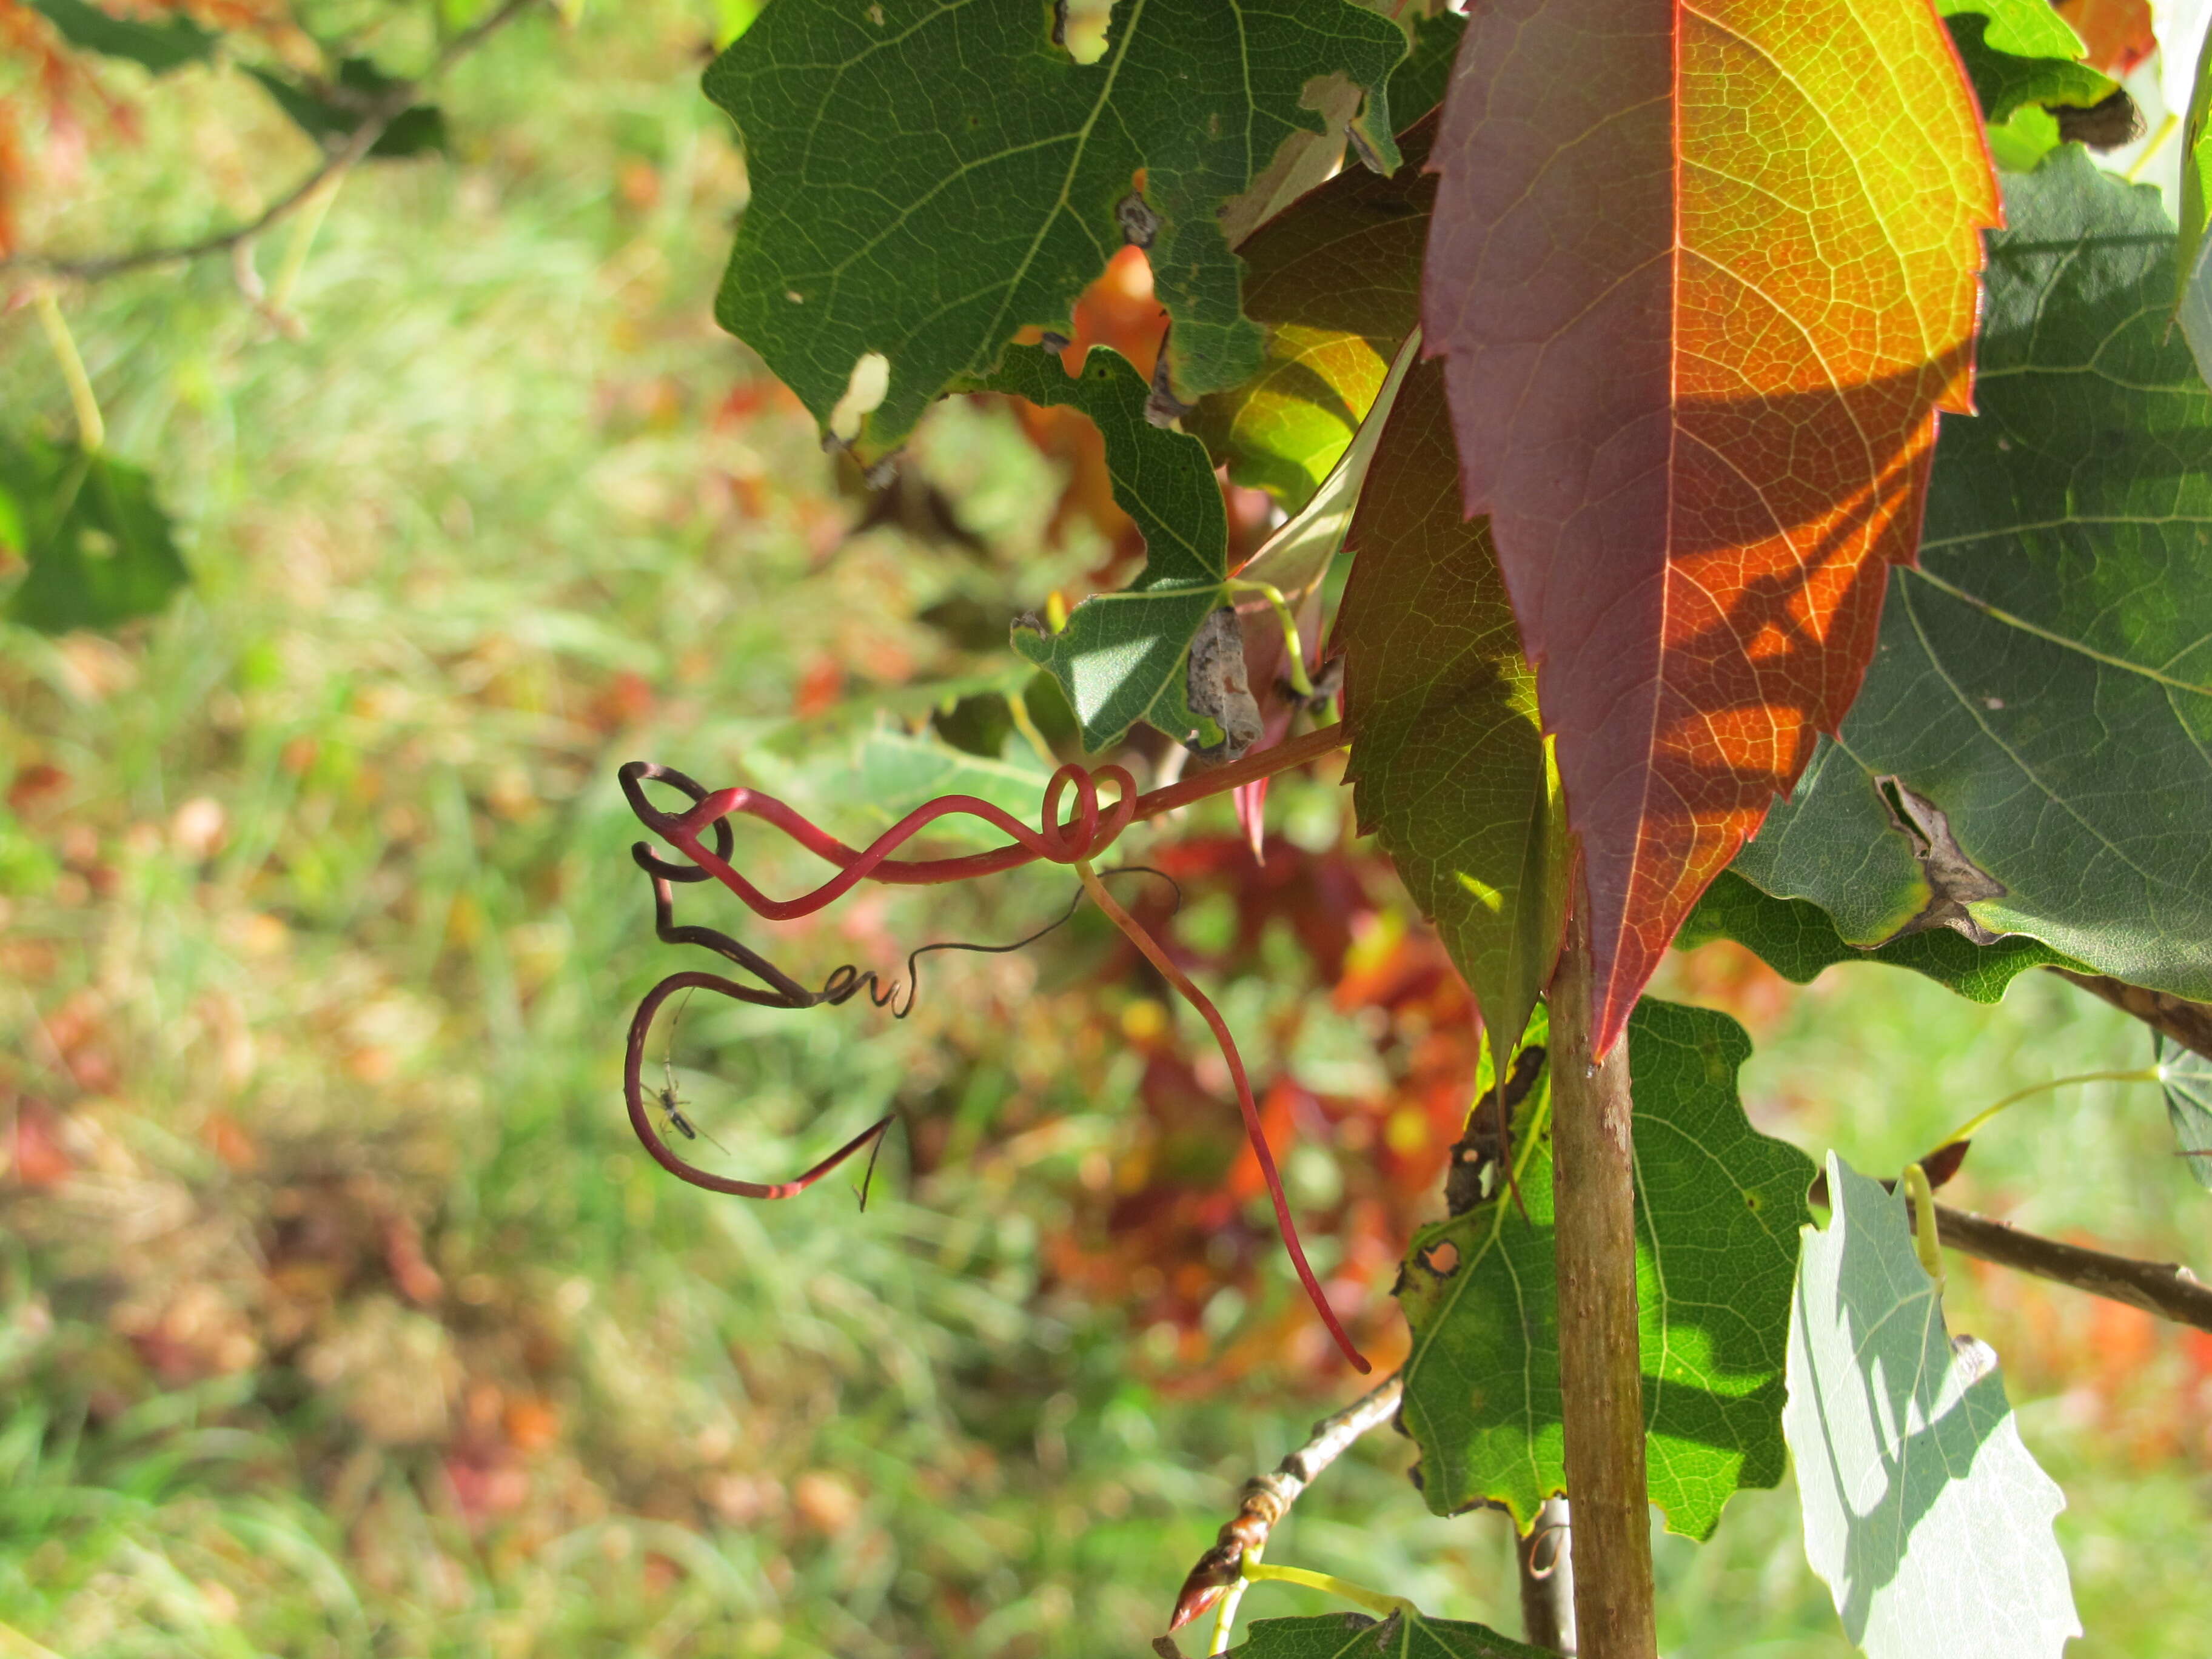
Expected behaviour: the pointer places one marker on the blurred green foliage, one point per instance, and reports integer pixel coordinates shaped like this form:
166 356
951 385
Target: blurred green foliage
338 1312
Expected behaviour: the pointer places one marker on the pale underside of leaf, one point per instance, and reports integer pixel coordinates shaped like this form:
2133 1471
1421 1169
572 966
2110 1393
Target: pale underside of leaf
1923 1512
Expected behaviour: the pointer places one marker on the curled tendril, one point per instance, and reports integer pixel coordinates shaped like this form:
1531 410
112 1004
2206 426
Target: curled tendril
1085 834
1075 841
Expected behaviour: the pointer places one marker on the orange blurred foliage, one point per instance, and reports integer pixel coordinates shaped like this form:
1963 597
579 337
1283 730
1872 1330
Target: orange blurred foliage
2117 33
1180 1217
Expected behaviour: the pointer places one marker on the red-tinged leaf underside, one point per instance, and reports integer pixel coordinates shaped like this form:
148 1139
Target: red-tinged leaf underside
1703 276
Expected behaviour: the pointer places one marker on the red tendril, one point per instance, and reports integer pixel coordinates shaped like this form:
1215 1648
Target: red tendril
1087 832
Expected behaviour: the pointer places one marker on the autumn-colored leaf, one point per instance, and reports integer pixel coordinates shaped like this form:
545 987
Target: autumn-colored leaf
1336 279
1448 768
1703 277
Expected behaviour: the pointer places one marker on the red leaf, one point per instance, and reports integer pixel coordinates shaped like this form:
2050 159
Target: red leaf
1701 279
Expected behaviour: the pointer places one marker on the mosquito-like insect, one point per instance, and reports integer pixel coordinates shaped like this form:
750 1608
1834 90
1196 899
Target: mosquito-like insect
671 1102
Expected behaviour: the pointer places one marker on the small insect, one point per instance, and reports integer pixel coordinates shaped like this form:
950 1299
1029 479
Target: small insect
671 1102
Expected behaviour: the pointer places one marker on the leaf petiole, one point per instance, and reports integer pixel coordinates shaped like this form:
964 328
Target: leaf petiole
1965 1130
91 430
1359 1594
1293 649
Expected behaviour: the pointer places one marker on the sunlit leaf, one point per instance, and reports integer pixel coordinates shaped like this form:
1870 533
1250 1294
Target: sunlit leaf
1121 658
1703 276
1799 940
1449 767
1356 1636
861 783
2021 51
929 177
1719 1210
100 547
1924 1512
1337 280
2033 751
2192 267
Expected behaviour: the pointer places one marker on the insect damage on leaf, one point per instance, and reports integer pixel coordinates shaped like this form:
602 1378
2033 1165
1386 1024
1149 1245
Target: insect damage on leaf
1219 689
936 253
1954 881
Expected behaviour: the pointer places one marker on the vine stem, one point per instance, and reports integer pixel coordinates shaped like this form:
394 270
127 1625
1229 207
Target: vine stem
1294 651
1601 1377
1159 959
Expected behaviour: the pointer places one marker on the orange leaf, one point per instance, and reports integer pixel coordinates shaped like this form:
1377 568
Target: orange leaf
1703 278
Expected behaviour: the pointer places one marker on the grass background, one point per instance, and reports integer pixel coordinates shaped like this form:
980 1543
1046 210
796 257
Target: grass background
338 1312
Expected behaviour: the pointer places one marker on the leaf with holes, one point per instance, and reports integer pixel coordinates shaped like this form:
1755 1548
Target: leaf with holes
928 178
1407 1635
1923 1512
1799 940
1336 279
2033 752
1449 769
100 547
1702 277
1121 659
2186 1077
1718 1207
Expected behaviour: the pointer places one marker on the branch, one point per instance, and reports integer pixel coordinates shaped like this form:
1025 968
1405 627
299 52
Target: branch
1268 1497
2189 1024
2164 1288
1601 1370
397 99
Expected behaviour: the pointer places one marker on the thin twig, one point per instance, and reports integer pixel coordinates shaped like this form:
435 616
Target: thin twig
2164 1288
1268 1497
395 100
2189 1024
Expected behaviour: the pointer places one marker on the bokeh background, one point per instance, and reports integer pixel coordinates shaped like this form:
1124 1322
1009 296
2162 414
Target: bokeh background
339 1312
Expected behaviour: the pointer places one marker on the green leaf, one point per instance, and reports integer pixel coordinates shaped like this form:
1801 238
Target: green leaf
1923 1512
330 114
2192 268
1337 279
2021 51
2186 1077
1401 1636
1120 660
1798 939
1718 1209
864 781
160 47
928 178
2032 752
1418 86
1450 768
97 541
